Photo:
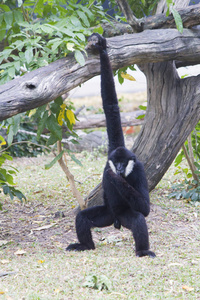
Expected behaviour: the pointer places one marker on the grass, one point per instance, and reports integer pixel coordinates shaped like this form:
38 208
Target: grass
47 271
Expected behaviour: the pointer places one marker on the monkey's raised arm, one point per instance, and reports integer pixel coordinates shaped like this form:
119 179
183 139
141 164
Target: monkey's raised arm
108 93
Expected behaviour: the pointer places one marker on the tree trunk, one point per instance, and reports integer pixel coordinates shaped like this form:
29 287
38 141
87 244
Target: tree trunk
173 110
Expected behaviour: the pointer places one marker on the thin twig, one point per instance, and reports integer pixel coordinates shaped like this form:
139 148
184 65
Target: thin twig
191 165
70 177
136 24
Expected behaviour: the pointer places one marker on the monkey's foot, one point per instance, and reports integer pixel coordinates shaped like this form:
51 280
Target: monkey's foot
78 247
142 253
117 224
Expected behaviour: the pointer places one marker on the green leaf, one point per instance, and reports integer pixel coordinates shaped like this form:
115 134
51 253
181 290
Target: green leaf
9 179
120 78
10 135
8 190
98 29
56 45
41 124
18 16
195 196
2 175
142 107
140 117
11 72
12 172
2 33
104 283
83 17
59 100
73 157
18 194
178 20
48 166
52 140
88 11
4 7
12 191
46 28
29 54
7 156
8 17
67 32
80 36
197 165
53 127
75 21
79 57
91 282
178 159
17 65
16 123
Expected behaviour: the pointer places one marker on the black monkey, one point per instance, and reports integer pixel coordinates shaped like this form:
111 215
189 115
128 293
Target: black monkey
126 196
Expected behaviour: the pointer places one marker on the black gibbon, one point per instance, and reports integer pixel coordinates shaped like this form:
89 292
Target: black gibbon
126 195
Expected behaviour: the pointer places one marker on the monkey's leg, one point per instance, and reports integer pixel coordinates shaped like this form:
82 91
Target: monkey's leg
98 216
135 221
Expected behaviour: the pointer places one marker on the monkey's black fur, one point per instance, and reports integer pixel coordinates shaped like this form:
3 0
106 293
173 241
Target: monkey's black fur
126 196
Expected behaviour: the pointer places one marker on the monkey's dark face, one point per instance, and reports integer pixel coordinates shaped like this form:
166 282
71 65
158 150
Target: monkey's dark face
122 161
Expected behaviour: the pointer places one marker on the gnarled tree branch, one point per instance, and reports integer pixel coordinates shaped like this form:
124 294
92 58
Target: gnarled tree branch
190 17
46 84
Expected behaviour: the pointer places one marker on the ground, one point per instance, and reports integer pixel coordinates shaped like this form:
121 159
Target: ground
52 226
34 234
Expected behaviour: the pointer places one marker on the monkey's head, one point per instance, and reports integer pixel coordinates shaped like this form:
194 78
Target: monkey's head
122 161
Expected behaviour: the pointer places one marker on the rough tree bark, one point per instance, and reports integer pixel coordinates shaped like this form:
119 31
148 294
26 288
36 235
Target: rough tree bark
45 84
173 111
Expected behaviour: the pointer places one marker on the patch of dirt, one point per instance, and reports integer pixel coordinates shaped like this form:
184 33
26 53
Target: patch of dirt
50 228
53 227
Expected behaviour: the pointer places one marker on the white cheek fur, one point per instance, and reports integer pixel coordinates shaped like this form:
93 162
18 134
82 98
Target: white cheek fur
112 166
129 168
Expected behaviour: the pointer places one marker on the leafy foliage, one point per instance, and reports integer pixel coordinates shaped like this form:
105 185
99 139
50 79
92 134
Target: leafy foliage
142 8
190 187
36 33
101 282
176 15
189 190
6 176
39 32
21 143
122 73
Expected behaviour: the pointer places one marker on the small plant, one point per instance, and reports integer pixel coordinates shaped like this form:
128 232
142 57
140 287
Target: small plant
190 187
6 176
101 282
